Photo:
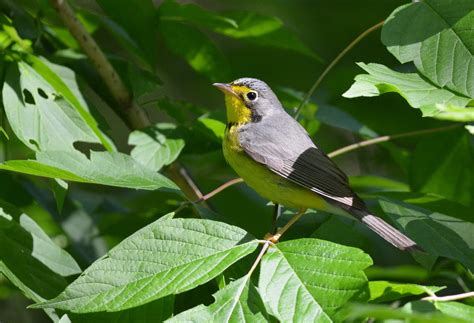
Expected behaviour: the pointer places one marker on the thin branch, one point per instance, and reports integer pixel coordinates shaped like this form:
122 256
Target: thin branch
219 189
266 245
448 298
377 140
135 115
274 238
333 63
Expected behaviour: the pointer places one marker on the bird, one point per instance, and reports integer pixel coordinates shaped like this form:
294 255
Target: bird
276 157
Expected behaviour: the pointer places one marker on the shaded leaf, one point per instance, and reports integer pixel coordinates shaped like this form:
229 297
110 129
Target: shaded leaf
384 291
354 312
264 31
307 280
140 26
239 301
442 165
433 101
113 169
189 12
215 126
197 49
167 257
156 146
438 234
437 36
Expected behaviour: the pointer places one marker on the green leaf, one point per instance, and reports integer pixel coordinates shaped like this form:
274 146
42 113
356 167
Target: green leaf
167 257
384 291
44 112
354 312
112 169
458 310
197 49
264 31
215 126
170 10
307 280
29 259
156 311
437 36
452 175
433 101
140 26
156 146
239 301
438 234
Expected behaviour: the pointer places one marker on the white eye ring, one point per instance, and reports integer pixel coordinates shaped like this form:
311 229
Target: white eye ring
252 96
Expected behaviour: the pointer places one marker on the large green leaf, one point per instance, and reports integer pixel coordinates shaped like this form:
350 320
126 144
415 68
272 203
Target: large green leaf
437 36
197 49
264 31
63 81
307 280
113 169
442 165
437 233
41 117
156 146
166 257
30 259
433 101
384 291
237 302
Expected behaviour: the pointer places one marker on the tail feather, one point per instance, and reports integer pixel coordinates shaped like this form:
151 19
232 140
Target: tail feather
389 233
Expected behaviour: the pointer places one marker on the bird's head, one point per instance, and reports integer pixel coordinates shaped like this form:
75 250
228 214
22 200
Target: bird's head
248 100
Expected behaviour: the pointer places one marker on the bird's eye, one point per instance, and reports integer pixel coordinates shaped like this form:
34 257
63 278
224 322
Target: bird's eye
252 96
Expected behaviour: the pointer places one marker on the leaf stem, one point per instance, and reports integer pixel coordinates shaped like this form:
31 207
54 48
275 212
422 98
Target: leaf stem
265 247
448 298
377 140
333 63
288 225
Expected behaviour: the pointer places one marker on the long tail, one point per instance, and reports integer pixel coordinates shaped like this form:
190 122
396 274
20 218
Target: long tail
386 231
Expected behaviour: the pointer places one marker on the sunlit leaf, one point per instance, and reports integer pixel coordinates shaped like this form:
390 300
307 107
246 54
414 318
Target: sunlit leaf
433 101
384 291
307 280
197 49
166 257
113 169
156 146
239 301
458 310
437 36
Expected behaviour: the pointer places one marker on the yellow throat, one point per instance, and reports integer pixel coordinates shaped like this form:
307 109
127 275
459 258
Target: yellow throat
237 112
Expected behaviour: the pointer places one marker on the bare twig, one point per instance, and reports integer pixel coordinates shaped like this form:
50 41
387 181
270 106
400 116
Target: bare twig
448 298
219 189
274 238
377 140
333 63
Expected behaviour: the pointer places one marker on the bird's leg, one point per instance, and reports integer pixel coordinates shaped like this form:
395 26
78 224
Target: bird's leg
275 237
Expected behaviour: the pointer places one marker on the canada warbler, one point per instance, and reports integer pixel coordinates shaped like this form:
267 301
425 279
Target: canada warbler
275 156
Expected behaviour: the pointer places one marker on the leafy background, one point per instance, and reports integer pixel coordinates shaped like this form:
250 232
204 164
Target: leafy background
95 219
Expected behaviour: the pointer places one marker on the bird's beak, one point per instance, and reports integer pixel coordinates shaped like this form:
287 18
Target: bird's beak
226 89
